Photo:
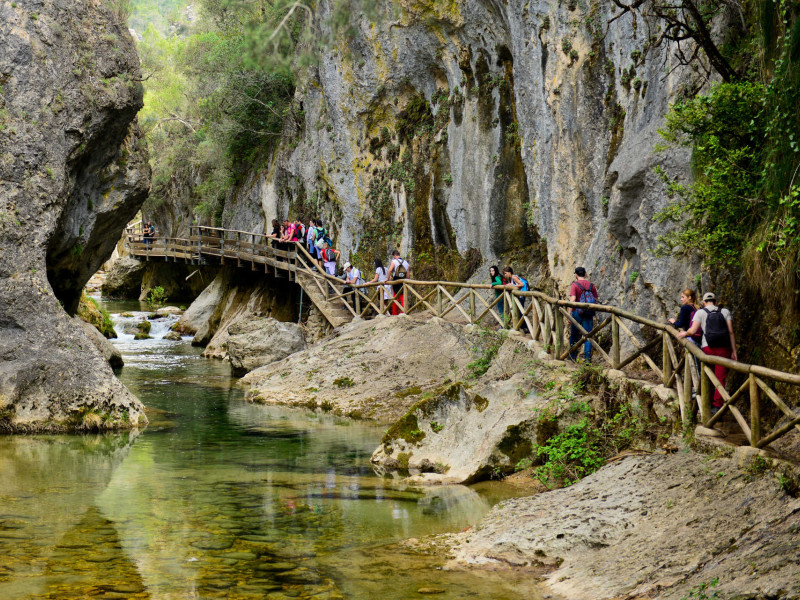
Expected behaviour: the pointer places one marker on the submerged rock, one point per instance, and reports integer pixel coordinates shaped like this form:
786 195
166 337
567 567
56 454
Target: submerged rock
259 341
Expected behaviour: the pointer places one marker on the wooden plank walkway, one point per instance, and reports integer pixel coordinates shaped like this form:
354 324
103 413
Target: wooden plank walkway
540 316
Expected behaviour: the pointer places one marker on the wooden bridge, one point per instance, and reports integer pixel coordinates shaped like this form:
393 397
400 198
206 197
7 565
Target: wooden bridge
546 319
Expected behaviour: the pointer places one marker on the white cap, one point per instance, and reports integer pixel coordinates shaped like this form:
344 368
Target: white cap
347 265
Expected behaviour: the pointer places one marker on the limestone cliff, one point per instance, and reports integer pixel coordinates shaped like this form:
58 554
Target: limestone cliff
521 129
73 171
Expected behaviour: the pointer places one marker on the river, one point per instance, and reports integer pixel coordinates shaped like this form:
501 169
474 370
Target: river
220 498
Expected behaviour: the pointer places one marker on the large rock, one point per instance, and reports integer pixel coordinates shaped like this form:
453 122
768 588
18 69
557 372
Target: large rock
258 341
238 294
124 278
371 369
462 435
109 351
650 527
73 172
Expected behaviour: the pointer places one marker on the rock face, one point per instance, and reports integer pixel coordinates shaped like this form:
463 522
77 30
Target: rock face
655 527
124 278
515 128
259 341
72 173
371 369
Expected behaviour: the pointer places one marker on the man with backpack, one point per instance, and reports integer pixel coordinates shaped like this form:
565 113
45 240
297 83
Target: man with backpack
718 339
582 290
398 270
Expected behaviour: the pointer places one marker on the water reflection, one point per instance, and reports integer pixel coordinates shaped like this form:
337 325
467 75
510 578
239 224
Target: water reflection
220 498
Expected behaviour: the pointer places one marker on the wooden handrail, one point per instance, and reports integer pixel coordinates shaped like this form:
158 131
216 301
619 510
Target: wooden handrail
545 318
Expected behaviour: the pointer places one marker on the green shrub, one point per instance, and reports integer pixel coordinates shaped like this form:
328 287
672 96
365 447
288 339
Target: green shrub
156 297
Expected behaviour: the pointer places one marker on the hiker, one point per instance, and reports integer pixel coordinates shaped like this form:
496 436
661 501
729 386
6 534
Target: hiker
148 233
276 230
352 276
381 275
398 270
689 307
311 234
496 279
718 339
299 231
329 258
321 237
519 283
582 290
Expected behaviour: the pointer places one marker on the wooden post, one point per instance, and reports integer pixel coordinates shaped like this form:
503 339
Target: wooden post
357 295
755 412
615 341
559 335
438 300
535 318
547 327
471 305
382 299
506 309
706 393
687 387
666 359
404 303
514 312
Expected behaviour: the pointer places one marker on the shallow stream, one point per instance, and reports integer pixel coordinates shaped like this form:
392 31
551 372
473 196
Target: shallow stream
220 498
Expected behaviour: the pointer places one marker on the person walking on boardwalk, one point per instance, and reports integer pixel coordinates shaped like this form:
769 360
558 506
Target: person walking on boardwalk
582 290
718 339
689 307
381 275
496 279
398 270
352 276
148 233
329 258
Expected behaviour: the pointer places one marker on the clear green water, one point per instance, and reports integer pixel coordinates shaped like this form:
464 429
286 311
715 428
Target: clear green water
219 498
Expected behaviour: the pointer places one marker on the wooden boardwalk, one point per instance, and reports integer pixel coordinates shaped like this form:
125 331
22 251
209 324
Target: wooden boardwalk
534 314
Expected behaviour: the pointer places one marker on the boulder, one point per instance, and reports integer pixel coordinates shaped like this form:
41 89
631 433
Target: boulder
109 351
460 435
168 310
195 320
91 313
124 279
257 341
173 336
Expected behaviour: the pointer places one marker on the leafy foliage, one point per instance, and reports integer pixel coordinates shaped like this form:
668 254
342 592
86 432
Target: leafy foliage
156 297
745 136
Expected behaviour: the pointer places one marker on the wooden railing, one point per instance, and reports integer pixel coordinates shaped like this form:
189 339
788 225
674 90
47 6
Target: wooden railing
673 360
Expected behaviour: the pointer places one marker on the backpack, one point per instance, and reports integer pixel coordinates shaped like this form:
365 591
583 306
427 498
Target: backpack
525 287
400 272
587 296
716 329
328 255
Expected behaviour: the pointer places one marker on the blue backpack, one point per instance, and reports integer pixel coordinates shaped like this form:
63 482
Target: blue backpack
588 297
525 287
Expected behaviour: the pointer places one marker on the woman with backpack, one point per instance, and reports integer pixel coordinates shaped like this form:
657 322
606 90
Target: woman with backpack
329 258
381 275
519 283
